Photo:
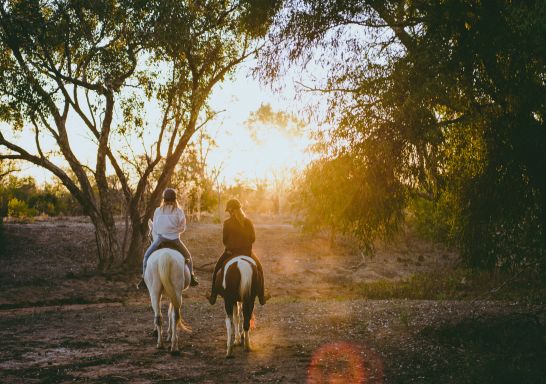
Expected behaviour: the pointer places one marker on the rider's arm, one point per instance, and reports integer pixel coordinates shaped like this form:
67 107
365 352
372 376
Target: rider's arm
225 235
251 233
156 214
181 220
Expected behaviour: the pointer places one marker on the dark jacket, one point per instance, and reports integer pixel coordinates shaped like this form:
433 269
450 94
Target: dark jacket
238 238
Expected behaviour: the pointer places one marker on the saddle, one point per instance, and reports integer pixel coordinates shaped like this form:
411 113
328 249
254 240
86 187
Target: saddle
171 244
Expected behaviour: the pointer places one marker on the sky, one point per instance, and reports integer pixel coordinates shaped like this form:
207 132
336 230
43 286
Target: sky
249 151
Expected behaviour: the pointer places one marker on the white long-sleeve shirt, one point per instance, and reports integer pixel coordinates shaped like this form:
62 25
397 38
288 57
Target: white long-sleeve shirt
169 223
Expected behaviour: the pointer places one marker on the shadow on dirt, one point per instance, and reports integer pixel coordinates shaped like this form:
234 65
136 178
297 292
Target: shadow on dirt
495 349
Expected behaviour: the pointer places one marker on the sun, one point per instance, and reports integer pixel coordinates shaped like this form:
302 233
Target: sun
248 157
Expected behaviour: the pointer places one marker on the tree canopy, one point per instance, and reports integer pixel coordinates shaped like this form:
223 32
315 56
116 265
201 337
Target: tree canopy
85 63
444 101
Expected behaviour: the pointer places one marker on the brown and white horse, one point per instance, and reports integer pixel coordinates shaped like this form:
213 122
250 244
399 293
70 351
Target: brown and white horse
239 283
167 274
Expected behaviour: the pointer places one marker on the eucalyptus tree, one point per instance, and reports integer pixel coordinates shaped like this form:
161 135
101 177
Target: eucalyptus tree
441 100
98 64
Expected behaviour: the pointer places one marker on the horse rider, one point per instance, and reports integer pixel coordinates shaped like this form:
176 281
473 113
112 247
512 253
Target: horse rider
168 224
238 237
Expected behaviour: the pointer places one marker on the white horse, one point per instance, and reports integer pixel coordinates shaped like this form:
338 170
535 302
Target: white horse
239 289
167 274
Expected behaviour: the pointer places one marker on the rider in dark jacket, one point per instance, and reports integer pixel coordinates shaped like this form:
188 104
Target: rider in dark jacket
238 237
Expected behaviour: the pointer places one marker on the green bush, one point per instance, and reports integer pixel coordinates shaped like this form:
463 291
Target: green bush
19 209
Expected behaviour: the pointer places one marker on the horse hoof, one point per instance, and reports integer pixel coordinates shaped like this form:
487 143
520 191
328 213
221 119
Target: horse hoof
175 353
154 333
237 342
229 353
159 346
247 348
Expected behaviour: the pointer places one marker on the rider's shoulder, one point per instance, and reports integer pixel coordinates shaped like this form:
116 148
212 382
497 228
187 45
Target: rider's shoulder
231 221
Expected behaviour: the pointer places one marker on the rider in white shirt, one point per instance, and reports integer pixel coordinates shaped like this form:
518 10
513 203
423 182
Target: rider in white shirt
168 224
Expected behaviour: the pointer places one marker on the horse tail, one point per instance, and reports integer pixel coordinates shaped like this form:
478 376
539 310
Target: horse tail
166 266
179 321
245 287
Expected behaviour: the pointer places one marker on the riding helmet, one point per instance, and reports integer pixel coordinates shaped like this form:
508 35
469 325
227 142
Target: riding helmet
233 204
169 194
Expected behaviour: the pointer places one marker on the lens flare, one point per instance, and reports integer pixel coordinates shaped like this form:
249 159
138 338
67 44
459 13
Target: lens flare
343 362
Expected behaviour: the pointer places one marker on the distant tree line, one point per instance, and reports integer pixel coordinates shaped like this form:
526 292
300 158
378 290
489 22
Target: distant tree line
23 198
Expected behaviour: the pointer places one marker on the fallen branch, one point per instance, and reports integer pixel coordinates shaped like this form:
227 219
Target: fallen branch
361 263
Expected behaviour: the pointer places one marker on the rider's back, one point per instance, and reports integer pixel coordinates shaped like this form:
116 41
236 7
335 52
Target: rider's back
239 236
169 222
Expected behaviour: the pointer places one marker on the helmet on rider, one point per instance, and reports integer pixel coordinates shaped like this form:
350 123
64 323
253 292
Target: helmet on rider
169 194
233 204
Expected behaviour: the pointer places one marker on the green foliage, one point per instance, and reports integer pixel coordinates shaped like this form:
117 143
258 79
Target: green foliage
431 219
445 101
20 209
342 195
22 198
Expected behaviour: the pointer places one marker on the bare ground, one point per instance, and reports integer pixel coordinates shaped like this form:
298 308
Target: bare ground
62 322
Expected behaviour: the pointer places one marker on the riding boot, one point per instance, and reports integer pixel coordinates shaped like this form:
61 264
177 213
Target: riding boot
194 282
261 291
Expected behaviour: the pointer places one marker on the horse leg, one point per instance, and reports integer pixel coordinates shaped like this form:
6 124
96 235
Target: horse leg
174 318
237 323
170 322
248 308
228 305
240 307
155 296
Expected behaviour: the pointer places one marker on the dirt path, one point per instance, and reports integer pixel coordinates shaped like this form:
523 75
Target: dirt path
60 322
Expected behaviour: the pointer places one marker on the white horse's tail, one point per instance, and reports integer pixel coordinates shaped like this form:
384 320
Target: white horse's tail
166 265
246 279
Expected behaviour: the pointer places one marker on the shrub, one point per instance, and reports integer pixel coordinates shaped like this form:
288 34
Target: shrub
19 209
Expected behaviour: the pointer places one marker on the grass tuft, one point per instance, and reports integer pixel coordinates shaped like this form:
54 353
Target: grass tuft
458 284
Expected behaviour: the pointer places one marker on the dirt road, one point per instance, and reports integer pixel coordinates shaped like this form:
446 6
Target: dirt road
61 322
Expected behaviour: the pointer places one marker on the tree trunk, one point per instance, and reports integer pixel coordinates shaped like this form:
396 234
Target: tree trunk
137 244
107 243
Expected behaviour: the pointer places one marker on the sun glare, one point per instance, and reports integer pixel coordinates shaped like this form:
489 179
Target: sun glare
245 157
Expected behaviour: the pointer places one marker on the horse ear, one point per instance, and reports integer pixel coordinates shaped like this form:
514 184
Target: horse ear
150 224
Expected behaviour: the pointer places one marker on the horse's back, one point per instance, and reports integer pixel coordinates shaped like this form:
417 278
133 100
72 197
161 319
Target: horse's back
238 278
168 266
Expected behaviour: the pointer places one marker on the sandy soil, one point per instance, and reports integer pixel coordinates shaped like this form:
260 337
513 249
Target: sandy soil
62 322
